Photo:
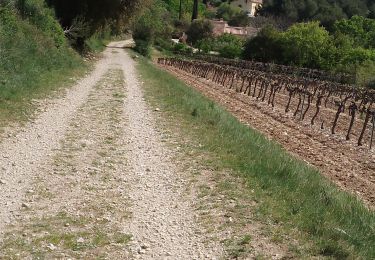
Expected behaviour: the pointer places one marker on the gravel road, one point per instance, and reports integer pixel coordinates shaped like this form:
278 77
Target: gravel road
92 165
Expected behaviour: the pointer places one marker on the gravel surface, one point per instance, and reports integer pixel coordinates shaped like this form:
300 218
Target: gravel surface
22 152
163 223
93 171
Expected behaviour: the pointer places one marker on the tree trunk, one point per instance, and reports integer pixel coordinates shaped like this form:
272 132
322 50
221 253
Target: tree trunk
195 10
180 11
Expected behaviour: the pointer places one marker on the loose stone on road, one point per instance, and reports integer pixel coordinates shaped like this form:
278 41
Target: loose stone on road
91 177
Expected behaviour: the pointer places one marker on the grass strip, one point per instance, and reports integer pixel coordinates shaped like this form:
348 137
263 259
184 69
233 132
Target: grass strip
288 190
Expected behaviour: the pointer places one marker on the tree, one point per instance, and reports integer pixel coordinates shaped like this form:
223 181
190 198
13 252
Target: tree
266 46
360 29
155 23
195 10
96 13
229 46
326 11
198 30
306 44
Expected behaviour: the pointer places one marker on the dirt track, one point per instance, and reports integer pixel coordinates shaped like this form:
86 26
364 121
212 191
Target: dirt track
351 168
91 178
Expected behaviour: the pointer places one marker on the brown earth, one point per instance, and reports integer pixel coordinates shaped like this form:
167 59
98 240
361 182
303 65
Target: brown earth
351 167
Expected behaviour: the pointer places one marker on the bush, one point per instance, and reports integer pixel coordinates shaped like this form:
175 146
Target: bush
182 48
365 75
266 46
206 45
165 44
229 46
154 24
361 30
306 45
31 60
143 47
198 30
37 13
239 19
226 11
230 51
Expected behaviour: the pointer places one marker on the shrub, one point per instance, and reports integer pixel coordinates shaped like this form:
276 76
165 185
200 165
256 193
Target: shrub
306 44
198 30
143 47
230 51
361 30
229 46
226 11
365 74
266 46
37 13
155 23
165 44
206 45
182 48
239 19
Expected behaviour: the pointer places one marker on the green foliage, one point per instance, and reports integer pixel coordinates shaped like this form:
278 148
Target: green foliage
31 53
239 19
198 30
94 15
229 46
326 11
310 45
366 74
173 7
206 45
180 47
234 15
306 44
358 28
225 11
143 47
230 51
266 46
42 17
97 42
154 23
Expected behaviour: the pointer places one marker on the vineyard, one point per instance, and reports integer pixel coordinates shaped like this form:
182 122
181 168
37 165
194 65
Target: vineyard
326 123
311 95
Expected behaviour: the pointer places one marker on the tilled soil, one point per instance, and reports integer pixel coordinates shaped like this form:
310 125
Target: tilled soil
351 168
91 177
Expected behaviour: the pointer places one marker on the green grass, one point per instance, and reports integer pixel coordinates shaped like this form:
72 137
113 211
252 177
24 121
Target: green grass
82 235
288 191
35 59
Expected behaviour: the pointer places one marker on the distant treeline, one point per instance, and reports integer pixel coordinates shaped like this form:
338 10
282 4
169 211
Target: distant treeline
325 11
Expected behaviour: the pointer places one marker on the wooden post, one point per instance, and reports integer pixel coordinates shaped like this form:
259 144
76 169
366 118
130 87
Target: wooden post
303 103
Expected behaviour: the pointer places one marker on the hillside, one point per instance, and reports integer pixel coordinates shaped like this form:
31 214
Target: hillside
34 53
326 11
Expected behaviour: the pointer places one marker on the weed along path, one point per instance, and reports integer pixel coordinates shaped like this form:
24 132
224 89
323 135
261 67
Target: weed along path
92 177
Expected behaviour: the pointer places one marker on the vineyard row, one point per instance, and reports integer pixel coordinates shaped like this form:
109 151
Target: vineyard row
297 94
277 69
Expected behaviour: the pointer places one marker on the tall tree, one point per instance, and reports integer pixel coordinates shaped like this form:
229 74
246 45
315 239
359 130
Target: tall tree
180 11
195 10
